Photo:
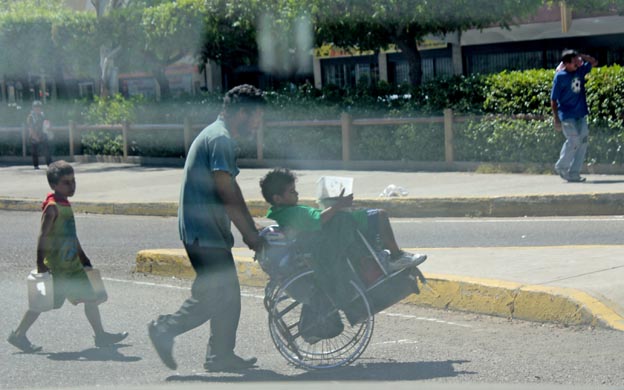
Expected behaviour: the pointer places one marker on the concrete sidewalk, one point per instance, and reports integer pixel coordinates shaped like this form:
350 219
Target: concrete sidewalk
131 189
570 285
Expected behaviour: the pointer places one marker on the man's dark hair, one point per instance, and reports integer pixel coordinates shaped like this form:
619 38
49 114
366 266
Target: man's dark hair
58 169
568 55
243 96
275 183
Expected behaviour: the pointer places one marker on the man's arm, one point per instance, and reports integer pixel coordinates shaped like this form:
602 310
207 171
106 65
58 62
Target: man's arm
47 221
590 59
341 203
555 111
235 206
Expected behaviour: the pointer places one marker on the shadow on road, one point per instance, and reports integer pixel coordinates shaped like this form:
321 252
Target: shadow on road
94 355
604 181
360 372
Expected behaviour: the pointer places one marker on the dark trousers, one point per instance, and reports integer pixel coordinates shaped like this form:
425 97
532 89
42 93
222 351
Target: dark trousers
43 147
215 296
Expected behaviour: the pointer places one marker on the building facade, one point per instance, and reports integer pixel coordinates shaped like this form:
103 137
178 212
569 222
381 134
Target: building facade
536 43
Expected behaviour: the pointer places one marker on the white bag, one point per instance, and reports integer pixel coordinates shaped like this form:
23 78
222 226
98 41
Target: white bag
47 130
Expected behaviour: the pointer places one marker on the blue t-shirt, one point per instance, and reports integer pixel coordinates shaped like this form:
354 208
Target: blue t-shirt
569 92
201 213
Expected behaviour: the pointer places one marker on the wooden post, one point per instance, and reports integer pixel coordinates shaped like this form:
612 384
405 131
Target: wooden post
346 123
187 135
72 134
448 135
24 138
260 142
566 16
124 134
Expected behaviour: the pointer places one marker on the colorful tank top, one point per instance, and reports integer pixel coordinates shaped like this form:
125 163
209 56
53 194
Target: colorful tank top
61 254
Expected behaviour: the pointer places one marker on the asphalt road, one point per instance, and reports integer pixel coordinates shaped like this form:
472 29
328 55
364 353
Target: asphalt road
409 343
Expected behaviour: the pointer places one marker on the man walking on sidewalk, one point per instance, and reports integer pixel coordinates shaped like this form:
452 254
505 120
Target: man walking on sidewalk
39 142
569 107
209 199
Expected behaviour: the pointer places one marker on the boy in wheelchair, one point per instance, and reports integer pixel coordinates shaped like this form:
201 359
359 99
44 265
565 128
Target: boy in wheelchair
279 190
329 234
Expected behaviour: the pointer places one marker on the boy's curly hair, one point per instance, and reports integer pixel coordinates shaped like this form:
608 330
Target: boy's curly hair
275 183
58 169
243 96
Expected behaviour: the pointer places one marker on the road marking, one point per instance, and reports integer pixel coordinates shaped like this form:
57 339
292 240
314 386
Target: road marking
429 319
616 218
256 296
403 342
152 284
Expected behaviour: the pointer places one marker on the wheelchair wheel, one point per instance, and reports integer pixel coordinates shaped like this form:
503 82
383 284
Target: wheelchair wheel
284 302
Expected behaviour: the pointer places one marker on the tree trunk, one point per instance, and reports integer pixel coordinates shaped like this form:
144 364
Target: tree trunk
163 82
409 48
107 57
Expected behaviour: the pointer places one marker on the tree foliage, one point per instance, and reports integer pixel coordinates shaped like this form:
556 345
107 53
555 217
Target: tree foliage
377 24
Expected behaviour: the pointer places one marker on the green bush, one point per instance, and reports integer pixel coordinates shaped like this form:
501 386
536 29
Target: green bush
605 96
409 142
103 143
110 110
159 143
492 139
10 143
505 140
519 92
460 93
307 143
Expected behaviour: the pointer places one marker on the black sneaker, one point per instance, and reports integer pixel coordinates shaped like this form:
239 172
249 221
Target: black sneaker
22 343
577 180
163 344
107 339
229 363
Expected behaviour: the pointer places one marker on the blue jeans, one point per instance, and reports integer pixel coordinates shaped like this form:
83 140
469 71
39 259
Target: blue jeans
573 150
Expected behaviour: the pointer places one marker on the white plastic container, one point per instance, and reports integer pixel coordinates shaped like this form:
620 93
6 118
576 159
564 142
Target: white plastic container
40 291
330 187
98 285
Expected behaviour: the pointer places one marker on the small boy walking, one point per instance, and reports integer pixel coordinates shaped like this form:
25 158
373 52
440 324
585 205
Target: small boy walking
59 252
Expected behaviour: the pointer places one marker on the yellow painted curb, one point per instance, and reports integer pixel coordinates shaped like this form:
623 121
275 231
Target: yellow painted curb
157 209
514 300
485 296
496 206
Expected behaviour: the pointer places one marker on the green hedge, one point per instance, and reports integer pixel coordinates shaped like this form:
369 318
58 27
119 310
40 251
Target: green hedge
490 140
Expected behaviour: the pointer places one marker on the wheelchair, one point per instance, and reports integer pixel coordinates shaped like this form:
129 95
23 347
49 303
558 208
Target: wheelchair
322 319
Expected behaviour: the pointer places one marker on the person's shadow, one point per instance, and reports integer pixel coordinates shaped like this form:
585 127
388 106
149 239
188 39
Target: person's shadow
359 372
605 181
105 354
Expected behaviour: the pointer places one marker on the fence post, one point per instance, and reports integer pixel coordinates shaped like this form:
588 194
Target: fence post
24 130
124 134
187 135
346 122
72 133
448 135
260 142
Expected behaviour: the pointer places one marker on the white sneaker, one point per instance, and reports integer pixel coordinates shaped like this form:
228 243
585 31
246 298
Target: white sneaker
407 260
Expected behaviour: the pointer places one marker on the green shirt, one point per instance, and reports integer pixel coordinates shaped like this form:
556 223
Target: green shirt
61 252
308 219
